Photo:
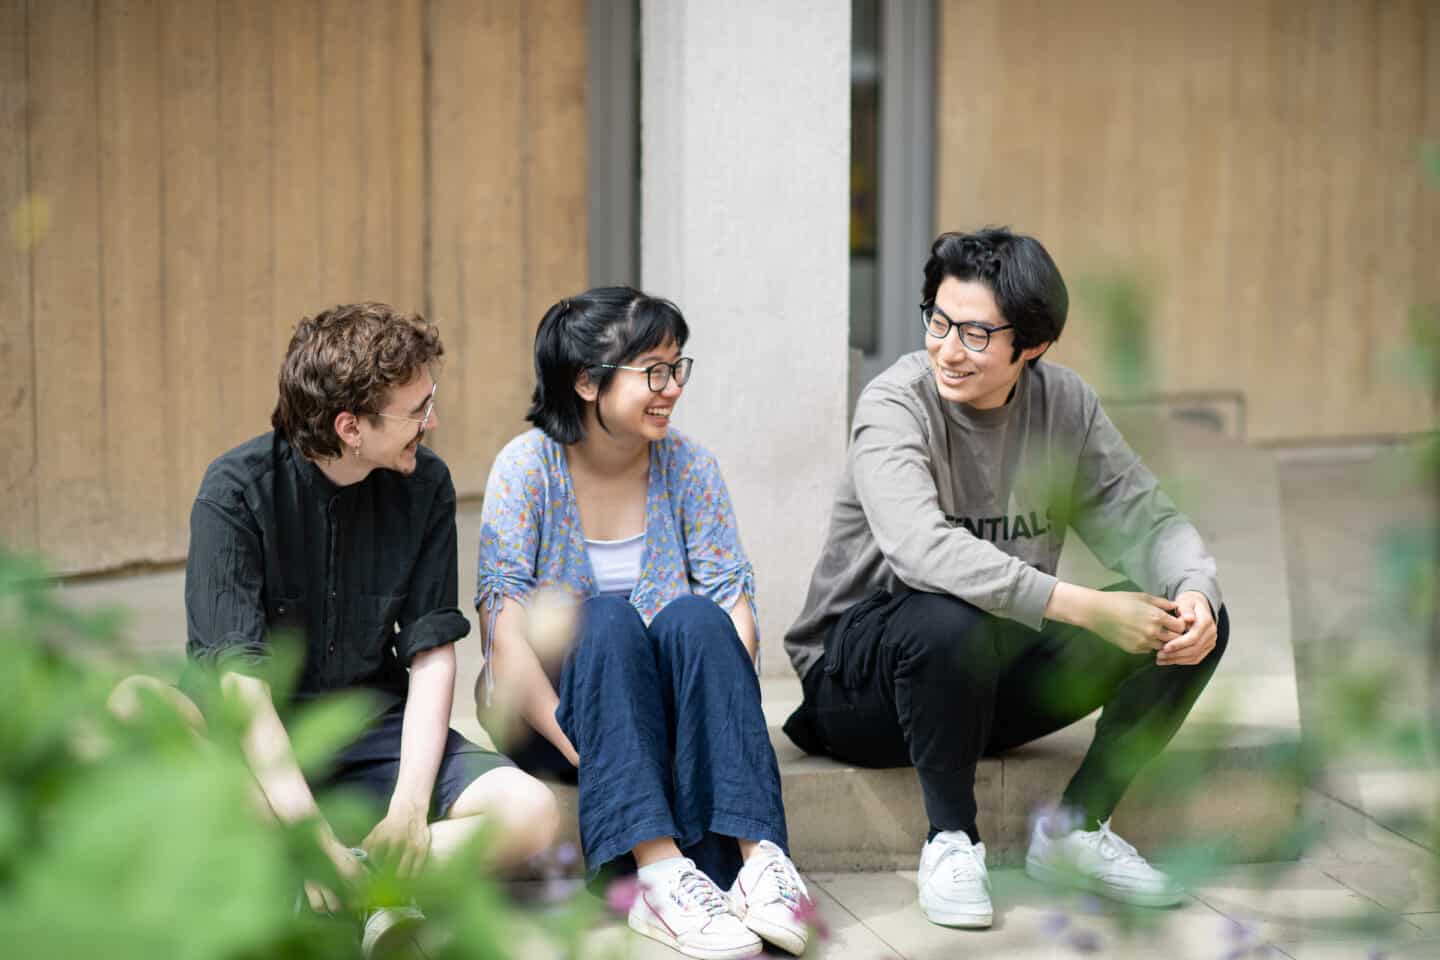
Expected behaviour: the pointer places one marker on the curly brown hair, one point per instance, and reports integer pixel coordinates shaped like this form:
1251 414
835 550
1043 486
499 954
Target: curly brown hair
347 359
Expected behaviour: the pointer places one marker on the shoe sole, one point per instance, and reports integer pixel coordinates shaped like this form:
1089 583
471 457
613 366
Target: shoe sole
1045 873
397 940
700 953
960 920
782 937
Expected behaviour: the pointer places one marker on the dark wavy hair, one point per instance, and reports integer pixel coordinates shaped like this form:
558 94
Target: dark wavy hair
347 359
578 334
1017 269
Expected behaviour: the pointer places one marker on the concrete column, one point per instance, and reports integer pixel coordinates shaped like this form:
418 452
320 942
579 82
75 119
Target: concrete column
745 144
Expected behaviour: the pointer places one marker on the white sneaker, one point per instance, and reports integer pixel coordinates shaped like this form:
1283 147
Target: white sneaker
954 884
767 897
689 913
390 932
1100 862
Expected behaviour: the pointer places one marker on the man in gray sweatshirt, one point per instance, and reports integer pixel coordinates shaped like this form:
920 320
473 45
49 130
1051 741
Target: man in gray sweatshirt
935 631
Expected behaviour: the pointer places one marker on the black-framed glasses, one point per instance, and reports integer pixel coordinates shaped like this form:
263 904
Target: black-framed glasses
657 375
974 336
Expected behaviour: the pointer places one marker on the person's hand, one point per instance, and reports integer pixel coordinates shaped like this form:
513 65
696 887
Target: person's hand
1134 622
1195 644
322 898
403 834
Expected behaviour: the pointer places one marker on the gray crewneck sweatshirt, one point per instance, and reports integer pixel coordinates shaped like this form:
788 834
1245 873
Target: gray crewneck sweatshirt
941 497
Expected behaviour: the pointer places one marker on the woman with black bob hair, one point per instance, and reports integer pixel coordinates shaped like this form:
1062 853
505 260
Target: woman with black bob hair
656 707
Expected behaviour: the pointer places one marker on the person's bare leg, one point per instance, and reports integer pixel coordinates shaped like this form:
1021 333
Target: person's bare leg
522 809
124 701
647 852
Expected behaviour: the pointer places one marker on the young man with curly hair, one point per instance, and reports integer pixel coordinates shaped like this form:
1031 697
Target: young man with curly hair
338 527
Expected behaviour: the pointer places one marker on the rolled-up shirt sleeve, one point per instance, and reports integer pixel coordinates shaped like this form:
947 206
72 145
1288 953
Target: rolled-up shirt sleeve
431 616
224 580
719 568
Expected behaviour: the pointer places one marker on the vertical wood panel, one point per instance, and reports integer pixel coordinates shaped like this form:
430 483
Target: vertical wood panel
1273 175
17 383
555 203
214 170
377 146
244 314
190 57
1353 207
69 340
406 132
138 400
1254 249
476 229
344 154
966 116
295 227
1401 109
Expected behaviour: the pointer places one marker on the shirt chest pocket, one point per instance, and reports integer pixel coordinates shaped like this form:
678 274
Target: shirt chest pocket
372 628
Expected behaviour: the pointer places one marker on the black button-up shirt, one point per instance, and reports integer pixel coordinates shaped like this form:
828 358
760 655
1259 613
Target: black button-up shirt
367 575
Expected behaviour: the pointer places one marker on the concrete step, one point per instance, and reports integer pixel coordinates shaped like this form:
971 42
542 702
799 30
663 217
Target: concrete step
847 818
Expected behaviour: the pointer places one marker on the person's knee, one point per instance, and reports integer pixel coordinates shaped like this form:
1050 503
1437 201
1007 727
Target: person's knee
529 816
692 615
1222 633
613 622
128 697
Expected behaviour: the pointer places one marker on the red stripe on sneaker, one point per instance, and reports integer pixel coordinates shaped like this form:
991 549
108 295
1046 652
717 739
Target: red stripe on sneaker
646 897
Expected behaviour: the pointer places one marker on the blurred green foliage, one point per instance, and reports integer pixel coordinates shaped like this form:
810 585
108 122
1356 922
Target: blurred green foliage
142 840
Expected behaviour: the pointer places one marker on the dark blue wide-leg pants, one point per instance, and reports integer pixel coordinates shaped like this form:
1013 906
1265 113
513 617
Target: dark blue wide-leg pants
671 737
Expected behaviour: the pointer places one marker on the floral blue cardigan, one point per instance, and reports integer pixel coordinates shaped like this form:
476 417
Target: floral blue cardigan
530 534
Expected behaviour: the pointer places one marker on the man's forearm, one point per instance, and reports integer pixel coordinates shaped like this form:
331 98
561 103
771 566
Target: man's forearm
426 725
268 751
1069 603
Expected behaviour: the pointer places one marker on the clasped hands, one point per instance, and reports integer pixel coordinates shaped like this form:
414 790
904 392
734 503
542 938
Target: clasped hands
1182 631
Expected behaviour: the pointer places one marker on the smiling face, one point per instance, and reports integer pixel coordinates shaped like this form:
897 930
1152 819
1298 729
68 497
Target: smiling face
980 380
630 409
391 441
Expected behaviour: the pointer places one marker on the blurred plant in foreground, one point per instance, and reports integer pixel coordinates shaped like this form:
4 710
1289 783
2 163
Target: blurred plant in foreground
142 840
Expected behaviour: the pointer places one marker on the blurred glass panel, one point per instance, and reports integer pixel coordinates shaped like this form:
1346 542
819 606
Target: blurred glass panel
864 174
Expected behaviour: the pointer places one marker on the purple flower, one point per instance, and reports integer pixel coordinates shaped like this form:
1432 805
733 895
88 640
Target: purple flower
622 893
1239 932
808 913
1084 941
1054 924
567 855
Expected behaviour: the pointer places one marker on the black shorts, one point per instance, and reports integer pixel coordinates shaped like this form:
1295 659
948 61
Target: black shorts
372 764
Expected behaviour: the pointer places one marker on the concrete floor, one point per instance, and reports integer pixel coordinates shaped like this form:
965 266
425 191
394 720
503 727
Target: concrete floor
1367 884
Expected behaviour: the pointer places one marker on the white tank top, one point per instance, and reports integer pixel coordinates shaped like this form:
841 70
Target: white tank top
616 564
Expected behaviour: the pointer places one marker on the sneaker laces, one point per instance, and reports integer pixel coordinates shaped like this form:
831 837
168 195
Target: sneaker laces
964 861
787 885
1113 847
693 887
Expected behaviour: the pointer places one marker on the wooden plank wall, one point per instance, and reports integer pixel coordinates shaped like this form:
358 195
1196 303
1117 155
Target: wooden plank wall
1255 162
183 179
